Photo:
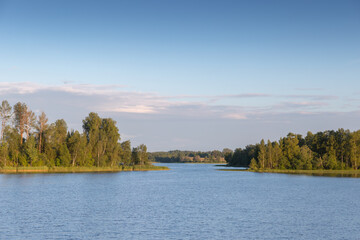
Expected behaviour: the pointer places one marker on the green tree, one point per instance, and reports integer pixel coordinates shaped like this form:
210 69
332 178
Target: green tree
20 114
13 140
277 155
59 132
63 157
5 115
126 156
110 137
330 161
41 127
253 164
91 126
306 157
341 139
291 151
4 154
74 146
143 155
31 152
269 155
30 122
262 154
354 149
135 156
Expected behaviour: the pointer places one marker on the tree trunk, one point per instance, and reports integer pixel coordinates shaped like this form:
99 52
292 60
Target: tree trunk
2 130
40 142
74 158
98 159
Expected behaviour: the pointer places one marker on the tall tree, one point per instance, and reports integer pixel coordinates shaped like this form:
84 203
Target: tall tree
41 127
110 136
269 154
341 139
91 127
74 146
126 152
306 157
20 112
135 156
354 143
262 154
31 153
59 132
277 154
5 115
291 150
30 122
4 153
143 155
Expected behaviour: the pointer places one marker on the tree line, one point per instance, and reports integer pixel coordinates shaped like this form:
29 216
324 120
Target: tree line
324 150
29 140
177 156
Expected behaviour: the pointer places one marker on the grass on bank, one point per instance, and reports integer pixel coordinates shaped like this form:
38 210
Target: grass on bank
45 169
348 171
317 172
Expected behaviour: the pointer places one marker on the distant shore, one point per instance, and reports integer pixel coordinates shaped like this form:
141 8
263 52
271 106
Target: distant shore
45 169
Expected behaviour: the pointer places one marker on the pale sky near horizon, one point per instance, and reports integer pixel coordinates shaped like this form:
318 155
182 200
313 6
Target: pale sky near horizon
196 75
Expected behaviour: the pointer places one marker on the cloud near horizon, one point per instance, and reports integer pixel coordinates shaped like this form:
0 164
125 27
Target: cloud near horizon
160 121
117 99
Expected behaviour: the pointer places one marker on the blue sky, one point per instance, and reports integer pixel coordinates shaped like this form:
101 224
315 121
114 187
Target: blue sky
196 75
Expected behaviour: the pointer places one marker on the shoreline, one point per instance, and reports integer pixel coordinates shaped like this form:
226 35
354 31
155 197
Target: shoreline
193 162
44 169
316 172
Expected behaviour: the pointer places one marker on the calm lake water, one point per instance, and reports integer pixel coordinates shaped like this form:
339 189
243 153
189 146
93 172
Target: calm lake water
191 201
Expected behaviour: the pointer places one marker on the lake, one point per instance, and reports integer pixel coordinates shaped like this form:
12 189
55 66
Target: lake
191 201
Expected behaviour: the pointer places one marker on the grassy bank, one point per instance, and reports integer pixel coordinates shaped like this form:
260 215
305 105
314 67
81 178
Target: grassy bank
327 173
45 169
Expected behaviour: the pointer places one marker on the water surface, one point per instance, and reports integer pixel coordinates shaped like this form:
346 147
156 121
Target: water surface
191 201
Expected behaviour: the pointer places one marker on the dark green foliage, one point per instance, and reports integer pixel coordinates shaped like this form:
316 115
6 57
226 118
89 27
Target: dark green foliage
253 164
63 157
305 158
4 154
30 151
53 145
126 154
323 150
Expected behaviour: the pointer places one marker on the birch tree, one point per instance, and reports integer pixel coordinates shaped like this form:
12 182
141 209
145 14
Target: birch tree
5 115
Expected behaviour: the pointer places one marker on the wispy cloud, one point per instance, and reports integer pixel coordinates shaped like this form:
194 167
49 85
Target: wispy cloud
302 105
309 89
237 116
118 99
161 120
85 89
313 97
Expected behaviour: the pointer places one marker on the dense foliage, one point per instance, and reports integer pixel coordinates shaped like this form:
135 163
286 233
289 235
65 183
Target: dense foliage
28 140
324 150
177 156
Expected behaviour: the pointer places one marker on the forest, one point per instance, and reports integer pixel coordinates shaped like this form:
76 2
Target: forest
336 150
29 140
177 156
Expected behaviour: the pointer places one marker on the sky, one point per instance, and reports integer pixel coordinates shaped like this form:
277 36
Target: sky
188 75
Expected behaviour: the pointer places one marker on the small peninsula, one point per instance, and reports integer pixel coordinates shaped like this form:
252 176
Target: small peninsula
328 151
29 144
